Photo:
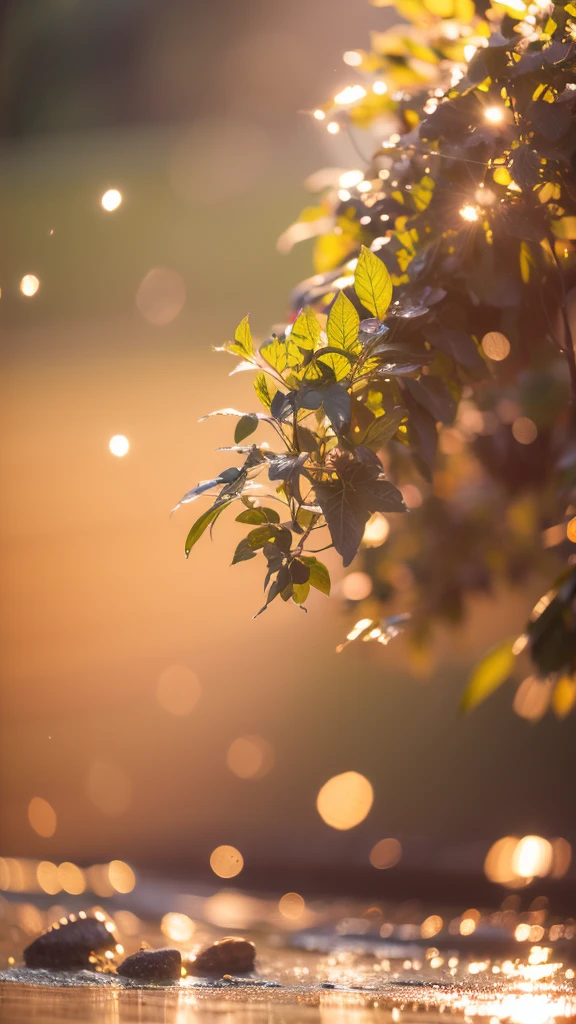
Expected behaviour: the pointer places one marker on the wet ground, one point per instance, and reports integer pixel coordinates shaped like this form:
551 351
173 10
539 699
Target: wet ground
327 962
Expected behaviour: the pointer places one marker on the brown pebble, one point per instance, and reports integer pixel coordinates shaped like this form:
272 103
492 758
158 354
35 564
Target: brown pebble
69 945
153 965
230 955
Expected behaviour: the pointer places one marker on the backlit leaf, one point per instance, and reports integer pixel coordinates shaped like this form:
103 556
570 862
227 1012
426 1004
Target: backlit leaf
564 696
300 592
319 575
343 325
306 329
242 344
282 354
382 429
262 389
494 669
256 516
372 283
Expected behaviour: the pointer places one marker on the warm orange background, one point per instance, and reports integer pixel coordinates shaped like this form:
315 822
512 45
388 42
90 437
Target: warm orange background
96 596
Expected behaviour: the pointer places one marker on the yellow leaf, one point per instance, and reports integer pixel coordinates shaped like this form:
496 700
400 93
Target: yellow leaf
312 213
527 263
464 11
343 325
564 696
441 8
564 228
242 344
372 283
489 674
264 392
306 329
281 354
339 365
422 193
502 176
330 251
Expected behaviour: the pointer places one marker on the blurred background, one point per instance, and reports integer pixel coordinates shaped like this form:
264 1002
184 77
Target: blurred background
152 154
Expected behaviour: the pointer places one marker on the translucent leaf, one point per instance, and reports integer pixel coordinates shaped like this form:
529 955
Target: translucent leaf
306 329
343 325
281 355
489 675
319 575
372 283
242 344
339 365
441 8
257 516
300 592
564 228
382 429
564 696
331 251
264 392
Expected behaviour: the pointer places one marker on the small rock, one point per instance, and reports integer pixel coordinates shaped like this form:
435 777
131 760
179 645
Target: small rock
226 956
69 945
153 965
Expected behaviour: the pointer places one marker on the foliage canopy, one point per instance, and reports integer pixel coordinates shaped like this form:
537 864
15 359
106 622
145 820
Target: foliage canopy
432 353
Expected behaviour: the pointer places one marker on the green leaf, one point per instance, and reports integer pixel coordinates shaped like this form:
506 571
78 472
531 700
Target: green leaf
281 355
246 425
257 516
201 524
243 552
261 535
319 575
263 391
300 592
306 329
382 429
489 674
343 325
372 283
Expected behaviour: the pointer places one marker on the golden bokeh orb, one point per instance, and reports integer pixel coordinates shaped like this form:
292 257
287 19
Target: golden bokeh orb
29 285
121 875
250 757
226 861
496 346
385 854
42 817
345 800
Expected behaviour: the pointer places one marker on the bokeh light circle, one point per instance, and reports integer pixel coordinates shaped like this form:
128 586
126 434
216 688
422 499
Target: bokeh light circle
385 854
42 817
226 861
250 757
345 800
178 690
